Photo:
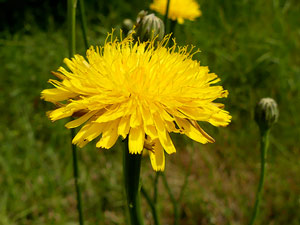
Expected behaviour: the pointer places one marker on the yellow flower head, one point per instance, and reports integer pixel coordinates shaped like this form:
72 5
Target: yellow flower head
178 9
139 91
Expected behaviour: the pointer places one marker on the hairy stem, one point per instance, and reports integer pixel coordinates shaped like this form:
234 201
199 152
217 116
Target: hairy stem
263 156
131 170
71 45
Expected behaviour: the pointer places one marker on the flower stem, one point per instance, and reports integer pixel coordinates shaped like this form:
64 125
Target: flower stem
173 200
166 16
152 206
71 42
131 170
83 23
172 27
187 174
75 172
71 26
263 154
155 187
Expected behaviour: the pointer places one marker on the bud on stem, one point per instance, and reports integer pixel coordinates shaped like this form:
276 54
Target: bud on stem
266 113
149 27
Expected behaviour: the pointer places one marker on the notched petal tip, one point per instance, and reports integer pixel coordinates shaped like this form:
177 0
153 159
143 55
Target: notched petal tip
158 169
224 94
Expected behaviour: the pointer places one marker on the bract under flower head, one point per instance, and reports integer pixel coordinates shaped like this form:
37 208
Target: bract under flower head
138 91
178 9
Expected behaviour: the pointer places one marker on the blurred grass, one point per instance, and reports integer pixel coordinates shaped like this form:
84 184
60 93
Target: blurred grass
252 45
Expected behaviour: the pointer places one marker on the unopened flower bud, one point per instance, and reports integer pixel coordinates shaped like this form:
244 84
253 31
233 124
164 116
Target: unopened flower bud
149 27
141 15
266 113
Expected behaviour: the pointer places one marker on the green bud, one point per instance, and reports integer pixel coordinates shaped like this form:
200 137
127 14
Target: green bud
149 27
266 113
141 15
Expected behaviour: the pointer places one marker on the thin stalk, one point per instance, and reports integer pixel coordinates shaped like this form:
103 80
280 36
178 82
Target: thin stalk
71 45
155 187
173 200
83 23
187 174
152 205
172 27
131 170
166 16
71 26
263 156
75 173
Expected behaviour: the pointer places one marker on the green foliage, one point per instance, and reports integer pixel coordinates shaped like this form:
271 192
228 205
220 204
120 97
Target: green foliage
252 45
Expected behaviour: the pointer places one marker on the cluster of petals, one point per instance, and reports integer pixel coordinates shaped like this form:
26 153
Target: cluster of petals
140 91
178 9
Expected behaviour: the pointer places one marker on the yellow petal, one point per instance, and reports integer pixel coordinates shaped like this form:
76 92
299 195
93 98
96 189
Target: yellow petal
136 140
196 125
222 118
58 75
198 114
190 131
214 81
136 118
124 126
157 157
146 115
163 135
88 133
109 136
171 127
165 115
57 94
60 113
111 114
80 120
95 130
78 139
151 131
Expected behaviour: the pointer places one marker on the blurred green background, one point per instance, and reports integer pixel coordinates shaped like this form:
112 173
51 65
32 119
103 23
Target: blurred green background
254 47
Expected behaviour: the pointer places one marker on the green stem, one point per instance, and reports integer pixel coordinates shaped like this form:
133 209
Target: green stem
166 16
131 170
71 26
187 174
173 200
263 154
155 187
77 188
71 44
172 27
152 205
83 23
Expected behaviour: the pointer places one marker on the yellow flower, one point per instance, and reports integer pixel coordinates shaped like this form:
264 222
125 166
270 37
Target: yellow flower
178 9
138 91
